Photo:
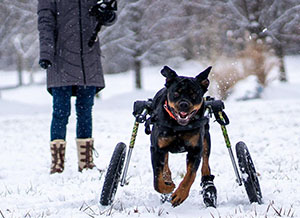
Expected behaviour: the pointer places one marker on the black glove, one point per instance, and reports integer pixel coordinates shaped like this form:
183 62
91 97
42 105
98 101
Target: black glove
45 64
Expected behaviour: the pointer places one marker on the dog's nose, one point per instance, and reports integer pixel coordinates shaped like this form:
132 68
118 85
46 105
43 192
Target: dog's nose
183 105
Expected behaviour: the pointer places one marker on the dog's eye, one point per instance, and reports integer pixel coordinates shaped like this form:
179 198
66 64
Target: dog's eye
176 94
194 96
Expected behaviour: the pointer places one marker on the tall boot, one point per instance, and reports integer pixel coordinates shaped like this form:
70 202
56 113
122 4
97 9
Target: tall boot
85 149
58 148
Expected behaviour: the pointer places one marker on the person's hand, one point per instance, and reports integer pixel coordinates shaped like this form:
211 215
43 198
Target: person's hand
45 64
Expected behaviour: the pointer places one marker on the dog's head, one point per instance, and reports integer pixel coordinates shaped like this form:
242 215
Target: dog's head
185 94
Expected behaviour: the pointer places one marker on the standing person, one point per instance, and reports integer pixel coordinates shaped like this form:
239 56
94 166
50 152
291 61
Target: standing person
73 69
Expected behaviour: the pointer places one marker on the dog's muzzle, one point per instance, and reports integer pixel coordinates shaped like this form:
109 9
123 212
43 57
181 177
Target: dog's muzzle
183 118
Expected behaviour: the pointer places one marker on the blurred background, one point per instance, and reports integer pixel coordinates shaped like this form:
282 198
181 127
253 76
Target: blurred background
239 38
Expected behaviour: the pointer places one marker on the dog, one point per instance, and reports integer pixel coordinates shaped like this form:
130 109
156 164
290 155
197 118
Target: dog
179 125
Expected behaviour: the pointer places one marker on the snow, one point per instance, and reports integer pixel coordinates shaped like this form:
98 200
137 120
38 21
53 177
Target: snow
269 126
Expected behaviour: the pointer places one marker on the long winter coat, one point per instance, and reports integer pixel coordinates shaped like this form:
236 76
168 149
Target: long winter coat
65 27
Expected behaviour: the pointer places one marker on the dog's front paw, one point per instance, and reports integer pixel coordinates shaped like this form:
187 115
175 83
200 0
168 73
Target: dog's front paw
164 183
179 196
165 187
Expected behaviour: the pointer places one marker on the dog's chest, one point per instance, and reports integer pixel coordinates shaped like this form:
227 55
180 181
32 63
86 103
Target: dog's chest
181 142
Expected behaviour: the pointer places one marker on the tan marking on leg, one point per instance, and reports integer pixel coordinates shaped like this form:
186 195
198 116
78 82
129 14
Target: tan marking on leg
165 184
167 175
205 170
182 192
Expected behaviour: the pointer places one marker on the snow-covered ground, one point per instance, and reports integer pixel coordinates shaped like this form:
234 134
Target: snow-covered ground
270 127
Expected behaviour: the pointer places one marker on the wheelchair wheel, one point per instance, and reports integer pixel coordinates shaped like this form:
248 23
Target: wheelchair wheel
112 177
249 175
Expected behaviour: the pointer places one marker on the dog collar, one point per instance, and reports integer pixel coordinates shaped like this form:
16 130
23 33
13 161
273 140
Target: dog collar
168 111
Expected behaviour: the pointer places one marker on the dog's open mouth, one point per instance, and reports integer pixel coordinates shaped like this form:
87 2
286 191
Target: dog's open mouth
183 118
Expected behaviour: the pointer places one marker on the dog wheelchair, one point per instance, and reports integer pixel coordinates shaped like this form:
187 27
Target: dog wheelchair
142 113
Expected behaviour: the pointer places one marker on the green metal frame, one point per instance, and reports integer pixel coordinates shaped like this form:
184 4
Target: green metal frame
134 134
228 145
131 146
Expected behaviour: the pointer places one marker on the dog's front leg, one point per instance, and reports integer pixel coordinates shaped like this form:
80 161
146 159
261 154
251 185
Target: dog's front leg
162 175
205 169
183 190
209 190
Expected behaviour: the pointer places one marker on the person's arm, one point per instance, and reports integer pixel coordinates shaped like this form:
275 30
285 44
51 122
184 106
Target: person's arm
47 31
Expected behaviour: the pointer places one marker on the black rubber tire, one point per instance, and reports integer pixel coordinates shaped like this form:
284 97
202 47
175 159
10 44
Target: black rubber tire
112 177
249 175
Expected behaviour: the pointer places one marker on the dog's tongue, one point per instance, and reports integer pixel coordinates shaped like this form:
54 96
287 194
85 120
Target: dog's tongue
183 114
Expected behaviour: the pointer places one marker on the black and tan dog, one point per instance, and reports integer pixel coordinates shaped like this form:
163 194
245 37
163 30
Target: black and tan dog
179 125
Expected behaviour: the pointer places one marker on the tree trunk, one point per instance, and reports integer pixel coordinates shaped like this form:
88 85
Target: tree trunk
19 69
137 65
282 72
189 50
31 78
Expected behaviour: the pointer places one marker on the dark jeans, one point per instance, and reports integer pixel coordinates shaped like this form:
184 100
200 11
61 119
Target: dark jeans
62 110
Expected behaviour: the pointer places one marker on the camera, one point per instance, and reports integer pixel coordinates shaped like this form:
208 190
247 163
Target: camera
104 9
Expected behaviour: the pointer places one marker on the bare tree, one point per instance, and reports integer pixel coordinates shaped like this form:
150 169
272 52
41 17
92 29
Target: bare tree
145 32
273 22
18 41
154 32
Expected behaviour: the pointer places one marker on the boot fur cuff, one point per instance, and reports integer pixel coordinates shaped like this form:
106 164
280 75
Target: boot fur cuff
58 141
80 140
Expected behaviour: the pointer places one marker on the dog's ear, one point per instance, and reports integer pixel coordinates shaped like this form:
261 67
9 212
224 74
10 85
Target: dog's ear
169 74
202 78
